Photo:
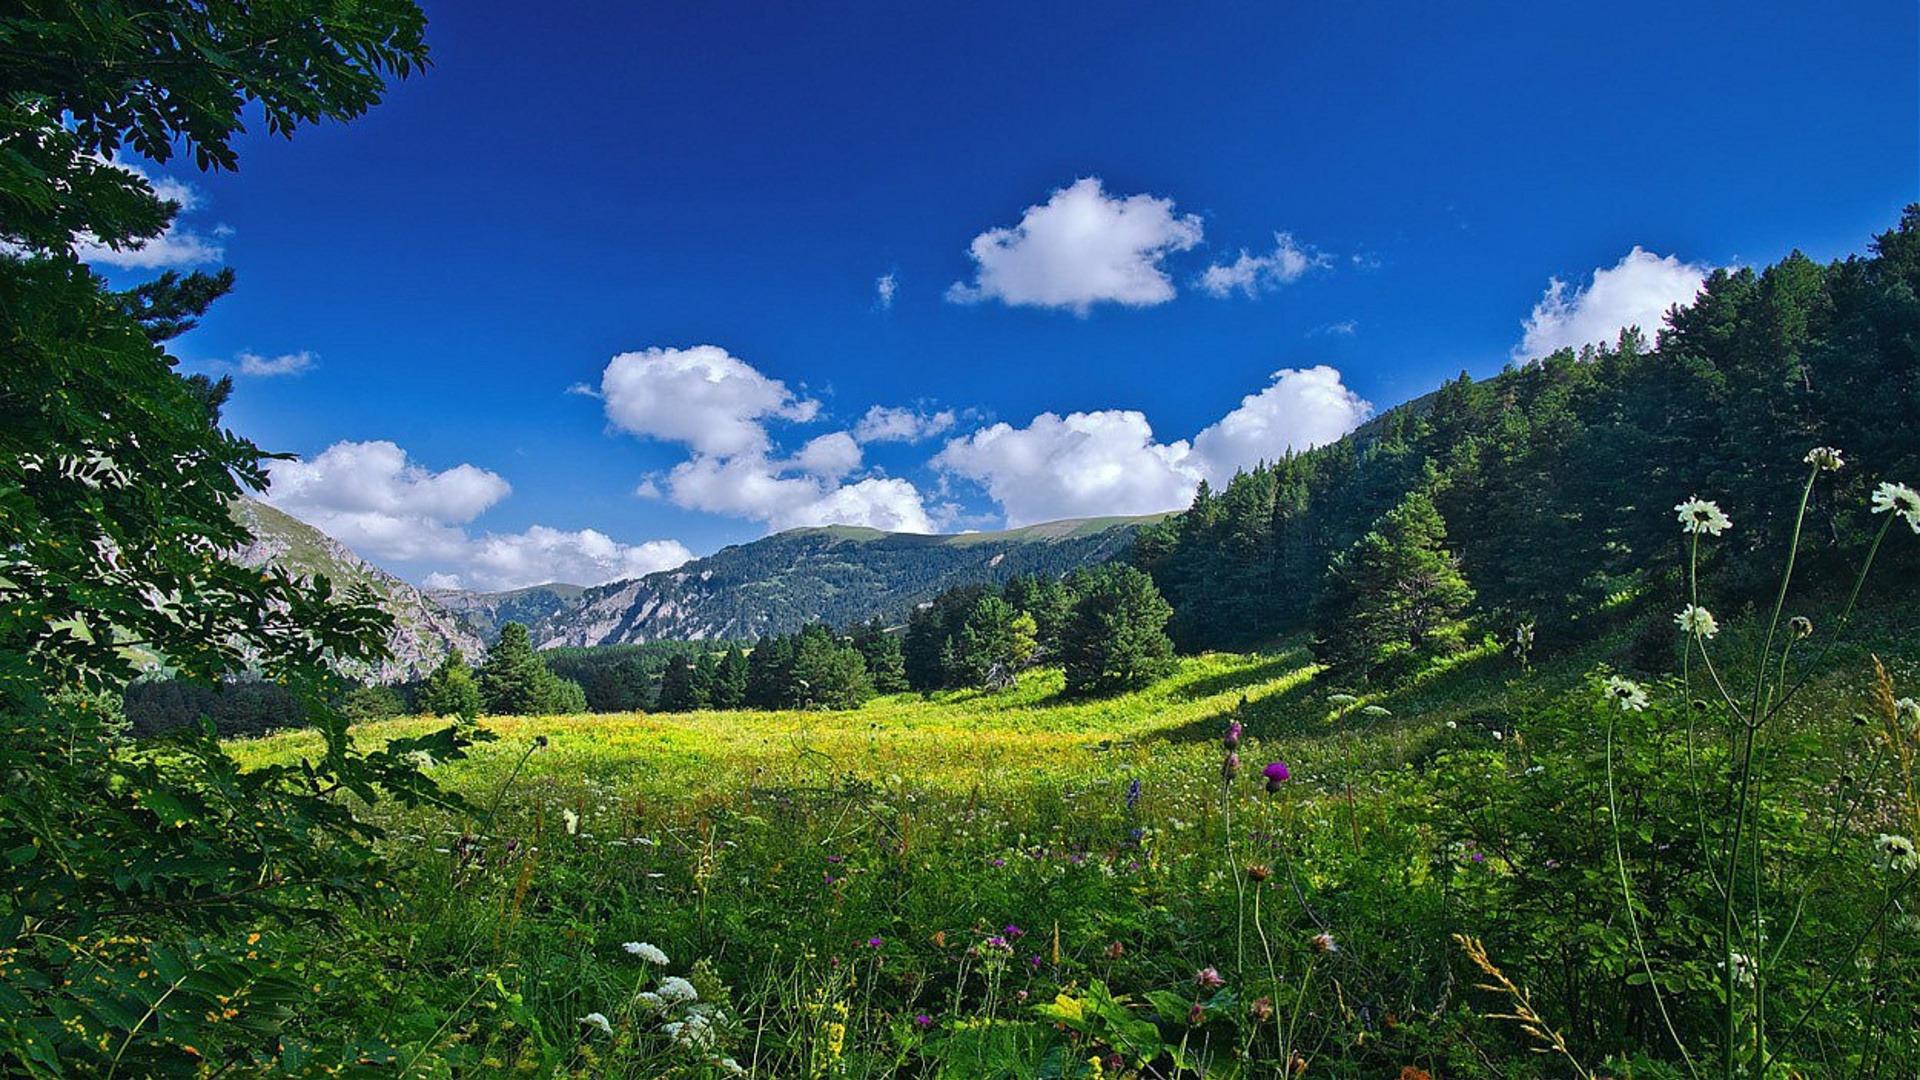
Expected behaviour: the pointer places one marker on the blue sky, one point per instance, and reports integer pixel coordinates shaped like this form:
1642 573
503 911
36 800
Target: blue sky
612 284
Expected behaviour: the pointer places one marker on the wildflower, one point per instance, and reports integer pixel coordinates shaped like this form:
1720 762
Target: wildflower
1232 739
875 942
1497 736
1907 709
644 951
1276 774
1824 458
1900 499
923 1021
1697 515
1323 942
1342 699
1451 724
573 821
1696 620
1014 933
652 1001
1208 978
1196 1015
695 1031
1629 695
732 1067
673 988
1133 794
540 741
1800 627
1376 710
1261 1010
1116 950
1742 969
599 1020
1230 766
1259 871
1897 853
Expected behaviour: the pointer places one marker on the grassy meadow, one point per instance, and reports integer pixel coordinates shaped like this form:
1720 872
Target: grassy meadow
1014 885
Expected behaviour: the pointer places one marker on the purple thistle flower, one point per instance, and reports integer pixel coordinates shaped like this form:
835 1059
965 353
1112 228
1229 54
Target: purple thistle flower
1231 766
923 1021
1276 774
1232 740
1208 978
874 942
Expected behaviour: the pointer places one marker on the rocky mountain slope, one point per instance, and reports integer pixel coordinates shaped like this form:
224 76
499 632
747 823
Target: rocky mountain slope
423 630
837 575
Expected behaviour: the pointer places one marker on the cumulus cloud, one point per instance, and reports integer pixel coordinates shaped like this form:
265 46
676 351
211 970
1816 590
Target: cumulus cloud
1081 247
1091 464
884 287
1251 274
884 423
786 496
702 396
1299 410
1080 465
176 247
829 457
373 498
1636 291
266 367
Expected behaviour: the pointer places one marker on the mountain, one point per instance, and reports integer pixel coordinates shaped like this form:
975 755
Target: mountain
488 612
423 630
837 575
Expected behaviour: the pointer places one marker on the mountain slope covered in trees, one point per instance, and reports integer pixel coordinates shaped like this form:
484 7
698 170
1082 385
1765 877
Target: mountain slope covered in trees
837 575
1555 482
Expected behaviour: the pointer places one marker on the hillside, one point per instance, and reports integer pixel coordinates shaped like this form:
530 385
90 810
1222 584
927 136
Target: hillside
837 575
423 630
488 612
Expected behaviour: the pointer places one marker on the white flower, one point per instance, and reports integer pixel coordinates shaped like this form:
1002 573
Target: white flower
573 821
1897 852
598 1020
644 951
695 1031
1696 620
1825 458
1742 969
1629 695
1907 709
1697 515
1323 943
673 988
1497 736
1376 710
1451 725
1342 699
1900 499
731 1067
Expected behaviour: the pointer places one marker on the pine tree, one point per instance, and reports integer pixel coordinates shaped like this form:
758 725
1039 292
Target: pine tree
450 690
1396 592
676 686
1116 638
885 660
513 681
730 680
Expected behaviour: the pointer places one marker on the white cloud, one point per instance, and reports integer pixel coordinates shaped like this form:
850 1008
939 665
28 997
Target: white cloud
751 486
1300 410
884 287
1251 274
1078 249
1080 465
1636 291
176 247
266 367
887 424
1109 462
703 397
829 457
371 497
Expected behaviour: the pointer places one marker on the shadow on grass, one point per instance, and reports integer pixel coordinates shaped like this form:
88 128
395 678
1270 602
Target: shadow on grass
1281 663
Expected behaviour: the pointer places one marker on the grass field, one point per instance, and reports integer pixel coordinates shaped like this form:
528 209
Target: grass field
1013 884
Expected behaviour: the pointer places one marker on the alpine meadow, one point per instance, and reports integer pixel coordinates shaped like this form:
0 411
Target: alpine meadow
1560 721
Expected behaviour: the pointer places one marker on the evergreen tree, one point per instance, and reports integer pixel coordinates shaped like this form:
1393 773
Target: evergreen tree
676 687
730 680
706 672
1116 638
770 674
450 690
884 657
1397 591
513 681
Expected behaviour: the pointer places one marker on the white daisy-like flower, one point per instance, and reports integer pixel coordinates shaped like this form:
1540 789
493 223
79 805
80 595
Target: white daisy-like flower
1697 515
650 953
1696 620
598 1020
1825 458
1897 853
673 989
1629 695
1900 499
